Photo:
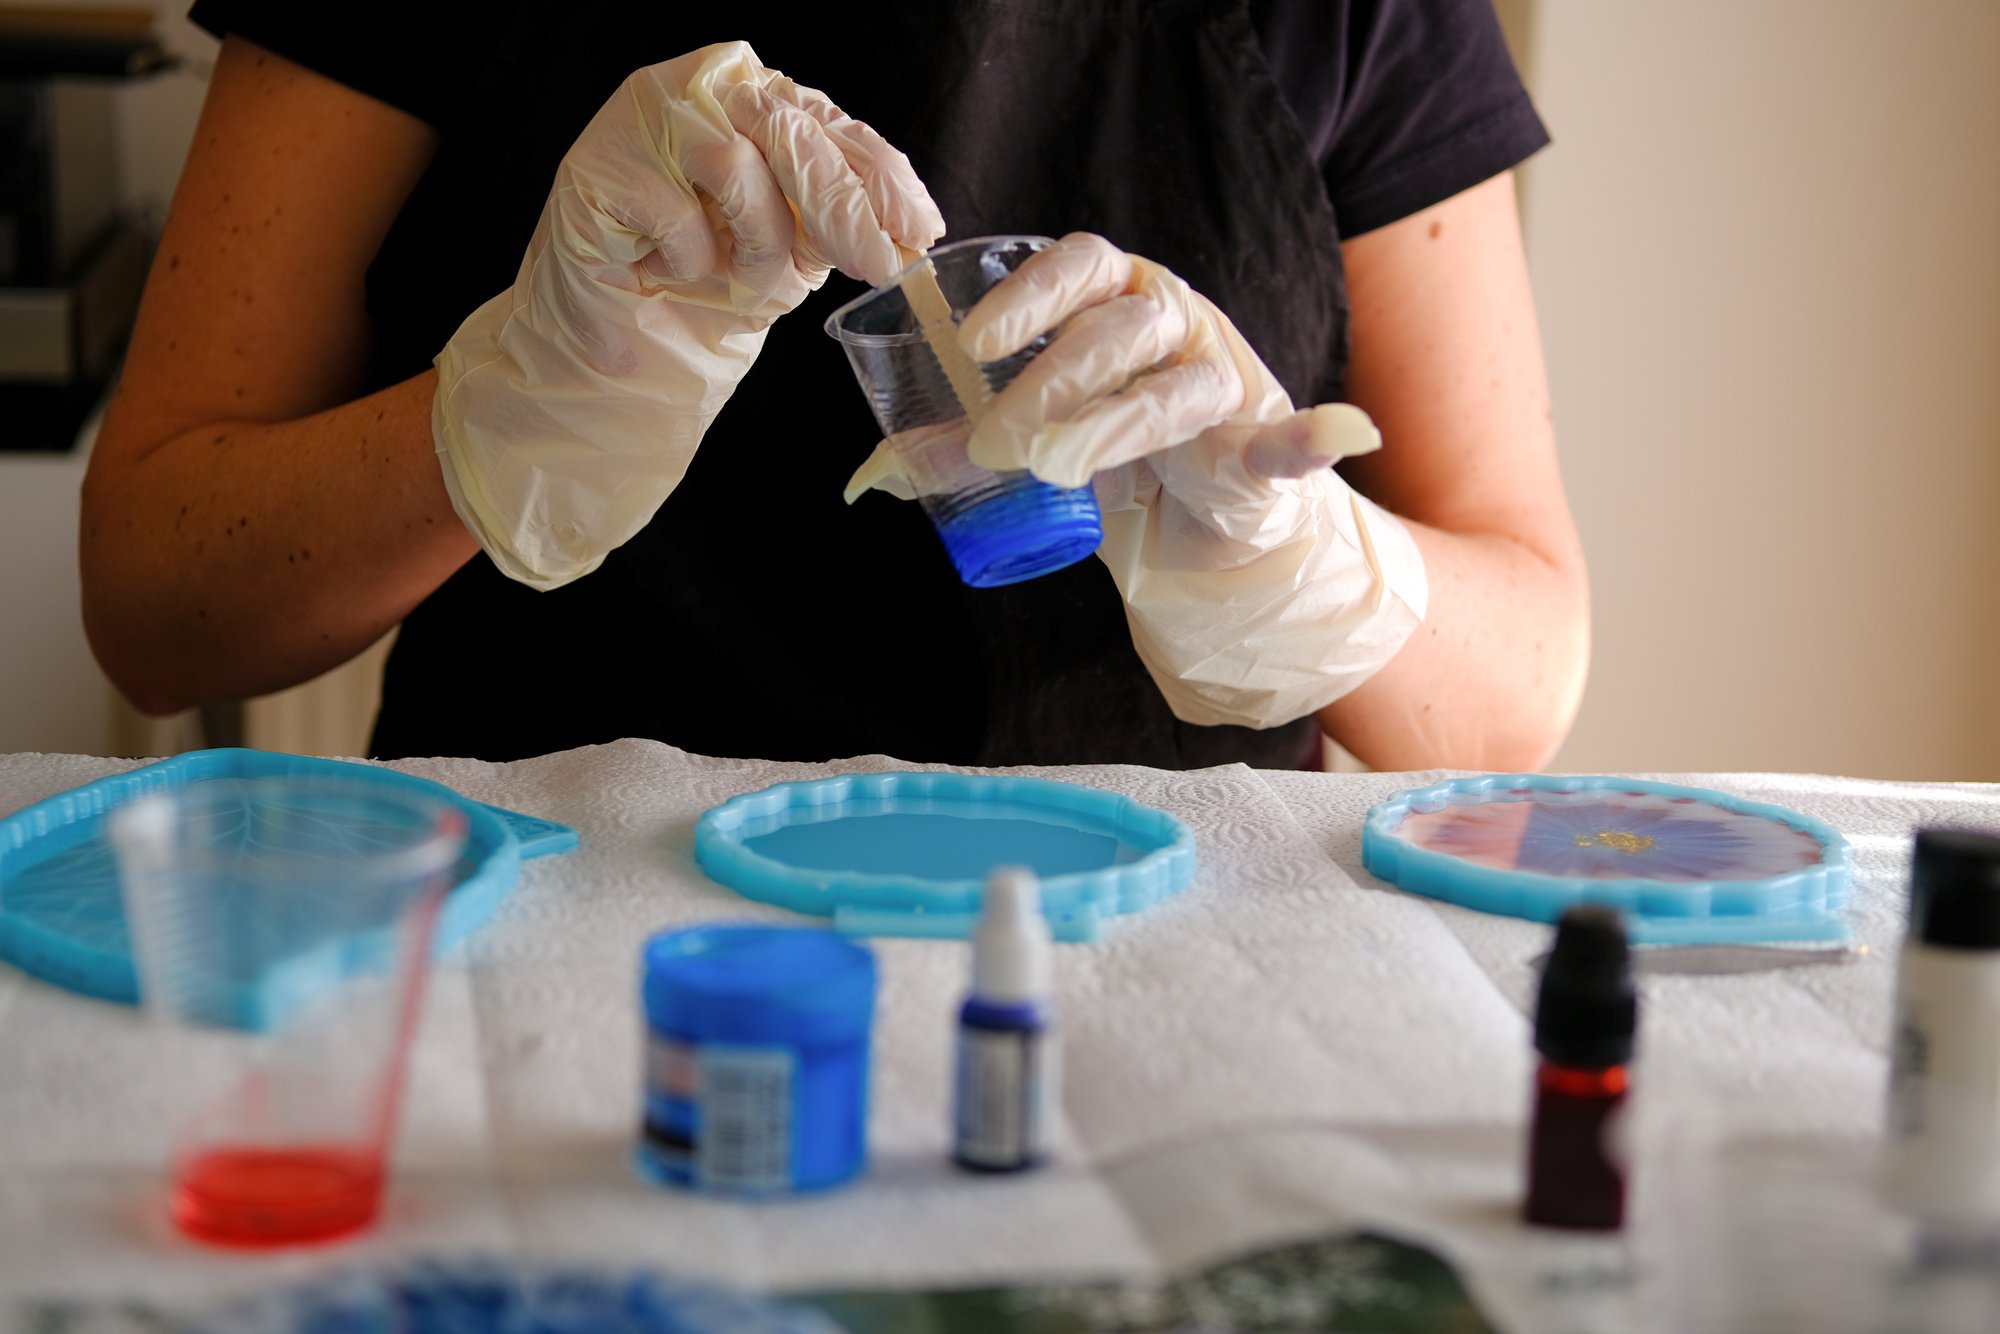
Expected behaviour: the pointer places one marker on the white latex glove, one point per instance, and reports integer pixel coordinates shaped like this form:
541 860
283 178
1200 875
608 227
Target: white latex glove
1258 586
709 196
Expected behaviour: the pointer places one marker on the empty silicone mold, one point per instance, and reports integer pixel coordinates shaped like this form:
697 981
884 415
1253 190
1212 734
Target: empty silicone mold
61 917
906 854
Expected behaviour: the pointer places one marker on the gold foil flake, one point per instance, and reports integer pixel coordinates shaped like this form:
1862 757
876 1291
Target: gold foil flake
1615 839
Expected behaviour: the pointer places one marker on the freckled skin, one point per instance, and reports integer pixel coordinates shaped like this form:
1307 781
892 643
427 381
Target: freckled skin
237 408
1471 469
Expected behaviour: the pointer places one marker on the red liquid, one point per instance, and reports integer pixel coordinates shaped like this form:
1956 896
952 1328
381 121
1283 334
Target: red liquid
1575 1179
278 1197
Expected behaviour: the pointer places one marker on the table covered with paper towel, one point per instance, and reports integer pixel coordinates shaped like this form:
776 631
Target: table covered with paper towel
1287 1050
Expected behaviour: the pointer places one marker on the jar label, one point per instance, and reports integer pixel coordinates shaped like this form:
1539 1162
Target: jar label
720 1115
743 1125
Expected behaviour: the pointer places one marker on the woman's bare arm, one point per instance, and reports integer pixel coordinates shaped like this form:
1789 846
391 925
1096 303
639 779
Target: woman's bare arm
247 522
1448 361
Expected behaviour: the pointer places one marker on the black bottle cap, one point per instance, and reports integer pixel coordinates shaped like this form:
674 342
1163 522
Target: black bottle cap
1587 1010
1955 889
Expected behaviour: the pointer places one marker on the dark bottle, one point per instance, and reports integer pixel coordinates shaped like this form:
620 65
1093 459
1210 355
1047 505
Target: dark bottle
1585 1017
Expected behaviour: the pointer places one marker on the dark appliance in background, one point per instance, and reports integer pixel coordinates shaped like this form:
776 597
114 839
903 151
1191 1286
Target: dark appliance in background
71 265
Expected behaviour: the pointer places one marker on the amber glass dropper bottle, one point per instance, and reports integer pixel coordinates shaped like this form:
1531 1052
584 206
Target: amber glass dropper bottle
1585 1017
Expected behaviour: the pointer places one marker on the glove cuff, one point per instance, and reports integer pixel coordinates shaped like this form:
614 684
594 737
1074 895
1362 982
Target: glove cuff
544 555
1278 636
552 462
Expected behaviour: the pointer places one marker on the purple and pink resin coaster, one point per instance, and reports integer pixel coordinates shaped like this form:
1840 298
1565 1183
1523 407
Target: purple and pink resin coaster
1684 865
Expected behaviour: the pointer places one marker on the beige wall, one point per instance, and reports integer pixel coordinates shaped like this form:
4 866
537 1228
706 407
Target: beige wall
1766 249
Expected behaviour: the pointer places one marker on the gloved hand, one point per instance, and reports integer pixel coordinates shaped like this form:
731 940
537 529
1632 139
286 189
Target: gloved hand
708 197
1258 587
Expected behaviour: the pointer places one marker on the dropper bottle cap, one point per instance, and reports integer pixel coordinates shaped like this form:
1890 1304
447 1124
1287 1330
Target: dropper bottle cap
1587 1009
1955 889
1011 945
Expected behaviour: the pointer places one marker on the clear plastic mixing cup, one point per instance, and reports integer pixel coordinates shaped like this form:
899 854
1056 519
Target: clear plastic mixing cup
999 528
282 929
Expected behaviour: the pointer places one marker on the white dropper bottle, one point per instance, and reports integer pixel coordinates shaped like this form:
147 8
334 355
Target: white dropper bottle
1941 1162
1007 1053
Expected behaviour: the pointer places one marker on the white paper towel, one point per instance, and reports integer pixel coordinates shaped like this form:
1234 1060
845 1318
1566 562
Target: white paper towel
1286 1048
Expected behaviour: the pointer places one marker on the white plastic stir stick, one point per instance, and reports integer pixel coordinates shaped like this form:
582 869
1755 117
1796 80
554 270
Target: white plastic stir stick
927 301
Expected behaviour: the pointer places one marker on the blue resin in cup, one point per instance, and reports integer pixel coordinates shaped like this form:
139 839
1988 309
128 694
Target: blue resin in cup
998 528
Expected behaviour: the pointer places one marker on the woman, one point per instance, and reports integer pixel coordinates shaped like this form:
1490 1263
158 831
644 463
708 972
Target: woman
1328 181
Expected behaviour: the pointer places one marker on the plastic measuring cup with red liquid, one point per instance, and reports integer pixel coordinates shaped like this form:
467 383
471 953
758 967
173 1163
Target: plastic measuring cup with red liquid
282 929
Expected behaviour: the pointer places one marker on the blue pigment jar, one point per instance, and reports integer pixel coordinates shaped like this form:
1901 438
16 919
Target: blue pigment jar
756 1077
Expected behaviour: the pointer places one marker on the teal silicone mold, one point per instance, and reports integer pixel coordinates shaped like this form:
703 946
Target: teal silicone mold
924 874
62 920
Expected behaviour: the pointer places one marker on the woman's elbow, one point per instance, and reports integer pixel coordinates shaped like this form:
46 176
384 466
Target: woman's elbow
1560 671
124 639
134 666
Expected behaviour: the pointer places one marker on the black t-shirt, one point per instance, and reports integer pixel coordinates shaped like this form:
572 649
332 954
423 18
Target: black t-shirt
1237 144
1403 102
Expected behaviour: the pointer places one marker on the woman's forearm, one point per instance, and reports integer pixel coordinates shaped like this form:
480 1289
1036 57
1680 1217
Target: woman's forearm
1447 360
1492 678
239 557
